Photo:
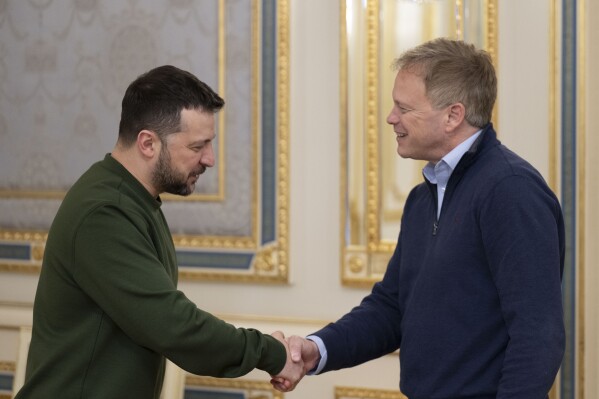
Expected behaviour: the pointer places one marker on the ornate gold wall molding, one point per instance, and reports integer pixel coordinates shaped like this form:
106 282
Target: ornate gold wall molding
367 393
7 369
25 249
251 389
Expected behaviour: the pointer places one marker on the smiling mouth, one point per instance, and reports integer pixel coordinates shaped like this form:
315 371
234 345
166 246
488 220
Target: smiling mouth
198 173
401 134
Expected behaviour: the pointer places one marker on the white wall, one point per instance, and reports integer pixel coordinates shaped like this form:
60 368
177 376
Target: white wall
523 74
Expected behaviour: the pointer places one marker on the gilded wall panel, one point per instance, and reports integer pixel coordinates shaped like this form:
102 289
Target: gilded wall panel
64 67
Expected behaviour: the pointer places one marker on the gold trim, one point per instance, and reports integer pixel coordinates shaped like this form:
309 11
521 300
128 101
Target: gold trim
20 268
553 95
372 127
492 38
493 49
196 197
227 242
59 195
283 143
7 366
23 235
241 384
222 88
553 125
343 130
32 194
256 99
581 184
459 20
367 393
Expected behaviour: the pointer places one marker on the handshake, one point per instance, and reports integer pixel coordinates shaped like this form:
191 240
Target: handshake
302 356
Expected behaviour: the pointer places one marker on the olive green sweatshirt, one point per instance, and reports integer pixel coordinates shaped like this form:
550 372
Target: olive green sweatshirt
107 310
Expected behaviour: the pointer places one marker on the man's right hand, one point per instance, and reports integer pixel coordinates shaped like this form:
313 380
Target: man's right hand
303 353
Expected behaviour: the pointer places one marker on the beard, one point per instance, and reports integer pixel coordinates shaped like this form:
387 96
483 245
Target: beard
168 180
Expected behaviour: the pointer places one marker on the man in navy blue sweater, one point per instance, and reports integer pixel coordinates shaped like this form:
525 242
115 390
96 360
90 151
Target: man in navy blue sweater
472 293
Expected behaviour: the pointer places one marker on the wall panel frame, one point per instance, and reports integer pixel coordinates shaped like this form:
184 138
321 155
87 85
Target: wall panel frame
78 58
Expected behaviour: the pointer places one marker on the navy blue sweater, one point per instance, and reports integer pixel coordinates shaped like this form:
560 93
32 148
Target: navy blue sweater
472 299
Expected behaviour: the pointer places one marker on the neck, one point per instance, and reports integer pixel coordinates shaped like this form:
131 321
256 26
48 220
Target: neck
462 133
455 138
138 166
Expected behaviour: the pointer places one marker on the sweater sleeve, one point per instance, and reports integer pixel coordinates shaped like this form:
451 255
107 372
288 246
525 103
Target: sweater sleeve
369 330
117 265
522 230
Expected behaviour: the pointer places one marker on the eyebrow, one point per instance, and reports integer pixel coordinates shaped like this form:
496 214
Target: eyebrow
197 142
401 104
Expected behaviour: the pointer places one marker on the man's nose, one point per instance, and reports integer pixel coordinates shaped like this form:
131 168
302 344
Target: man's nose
208 157
392 118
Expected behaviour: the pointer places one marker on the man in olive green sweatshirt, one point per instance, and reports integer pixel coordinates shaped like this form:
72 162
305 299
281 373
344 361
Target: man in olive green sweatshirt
107 310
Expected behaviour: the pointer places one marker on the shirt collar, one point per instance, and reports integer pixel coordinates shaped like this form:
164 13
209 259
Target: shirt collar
448 162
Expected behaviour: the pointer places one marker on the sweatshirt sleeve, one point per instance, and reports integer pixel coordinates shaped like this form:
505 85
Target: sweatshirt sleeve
117 265
369 330
522 230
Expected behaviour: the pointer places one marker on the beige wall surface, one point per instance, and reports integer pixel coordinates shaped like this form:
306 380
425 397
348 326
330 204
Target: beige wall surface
314 294
523 80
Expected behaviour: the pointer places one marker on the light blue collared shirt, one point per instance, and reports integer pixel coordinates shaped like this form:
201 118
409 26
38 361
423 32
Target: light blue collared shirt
440 172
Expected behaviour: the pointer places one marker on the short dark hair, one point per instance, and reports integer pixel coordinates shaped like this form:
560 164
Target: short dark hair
155 99
455 71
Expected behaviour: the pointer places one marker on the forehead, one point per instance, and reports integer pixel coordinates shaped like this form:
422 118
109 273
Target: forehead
409 80
198 124
409 86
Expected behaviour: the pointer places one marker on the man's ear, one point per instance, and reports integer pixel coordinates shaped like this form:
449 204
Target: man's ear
455 116
148 143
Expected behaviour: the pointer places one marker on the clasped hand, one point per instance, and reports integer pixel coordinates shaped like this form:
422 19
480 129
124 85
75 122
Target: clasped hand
302 356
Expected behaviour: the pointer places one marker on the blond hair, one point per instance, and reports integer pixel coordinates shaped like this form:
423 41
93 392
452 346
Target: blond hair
454 72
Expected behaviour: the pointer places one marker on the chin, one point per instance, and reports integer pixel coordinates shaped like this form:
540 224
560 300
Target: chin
188 191
183 191
399 152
